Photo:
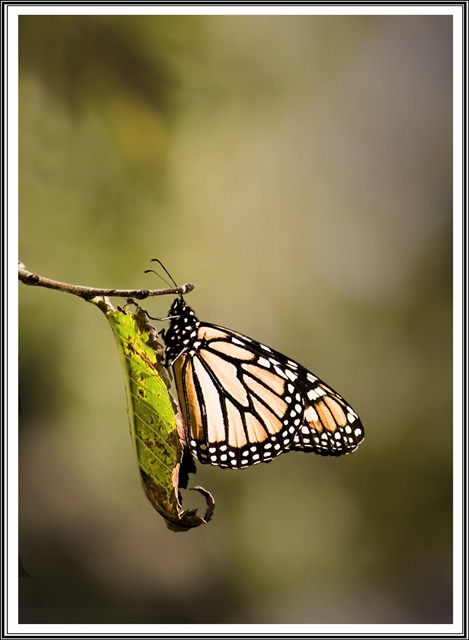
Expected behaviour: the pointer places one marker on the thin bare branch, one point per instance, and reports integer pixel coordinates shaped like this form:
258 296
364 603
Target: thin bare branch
34 280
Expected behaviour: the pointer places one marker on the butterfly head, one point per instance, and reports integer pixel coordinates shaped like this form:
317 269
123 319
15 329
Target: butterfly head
178 308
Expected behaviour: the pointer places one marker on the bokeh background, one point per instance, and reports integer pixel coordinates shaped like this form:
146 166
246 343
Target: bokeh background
298 170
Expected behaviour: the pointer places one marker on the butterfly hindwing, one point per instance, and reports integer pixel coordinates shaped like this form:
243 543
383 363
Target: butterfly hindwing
245 403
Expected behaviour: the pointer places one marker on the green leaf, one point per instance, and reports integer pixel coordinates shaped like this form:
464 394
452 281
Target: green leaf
156 424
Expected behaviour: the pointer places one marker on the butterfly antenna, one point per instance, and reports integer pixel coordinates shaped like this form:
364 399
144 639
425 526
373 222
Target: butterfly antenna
165 270
157 274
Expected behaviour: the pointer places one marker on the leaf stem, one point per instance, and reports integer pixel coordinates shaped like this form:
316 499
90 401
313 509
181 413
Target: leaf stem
34 280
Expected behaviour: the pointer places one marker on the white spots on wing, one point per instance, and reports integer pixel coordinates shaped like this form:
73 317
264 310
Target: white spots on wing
279 372
263 362
291 375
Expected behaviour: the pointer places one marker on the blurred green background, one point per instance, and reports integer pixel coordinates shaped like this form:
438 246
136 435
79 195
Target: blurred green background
298 170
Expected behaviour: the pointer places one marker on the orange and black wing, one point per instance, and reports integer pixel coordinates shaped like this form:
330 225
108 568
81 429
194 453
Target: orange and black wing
245 403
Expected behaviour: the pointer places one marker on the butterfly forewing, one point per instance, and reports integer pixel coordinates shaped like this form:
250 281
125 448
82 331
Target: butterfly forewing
245 403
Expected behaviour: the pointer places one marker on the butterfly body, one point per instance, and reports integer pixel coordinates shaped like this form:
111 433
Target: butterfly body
244 403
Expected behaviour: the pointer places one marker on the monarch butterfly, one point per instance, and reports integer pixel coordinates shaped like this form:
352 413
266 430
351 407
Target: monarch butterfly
245 403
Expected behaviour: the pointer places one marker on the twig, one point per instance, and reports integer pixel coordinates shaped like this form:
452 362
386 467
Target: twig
32 279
